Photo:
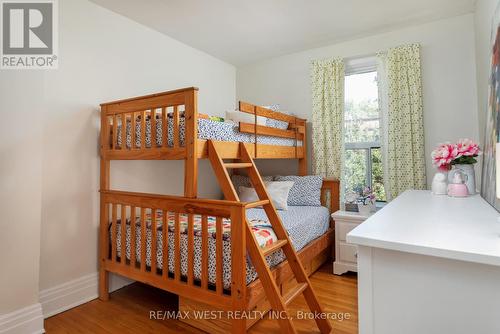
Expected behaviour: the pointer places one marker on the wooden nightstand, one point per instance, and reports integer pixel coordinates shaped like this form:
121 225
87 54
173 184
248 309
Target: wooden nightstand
345 254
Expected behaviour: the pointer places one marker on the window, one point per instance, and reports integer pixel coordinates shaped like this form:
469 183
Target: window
363 159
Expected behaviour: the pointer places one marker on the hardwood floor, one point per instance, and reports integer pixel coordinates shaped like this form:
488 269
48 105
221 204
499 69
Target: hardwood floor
128 310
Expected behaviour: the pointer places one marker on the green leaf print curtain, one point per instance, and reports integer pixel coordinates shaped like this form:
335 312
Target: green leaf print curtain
402 130
327 81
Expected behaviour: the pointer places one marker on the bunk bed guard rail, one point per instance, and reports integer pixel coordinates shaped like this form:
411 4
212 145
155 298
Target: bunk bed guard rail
149 127
125 250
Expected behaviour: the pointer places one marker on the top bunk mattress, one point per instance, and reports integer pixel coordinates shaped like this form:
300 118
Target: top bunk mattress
207 129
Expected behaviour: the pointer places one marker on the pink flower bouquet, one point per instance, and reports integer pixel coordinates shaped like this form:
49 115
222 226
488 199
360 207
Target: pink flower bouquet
463 152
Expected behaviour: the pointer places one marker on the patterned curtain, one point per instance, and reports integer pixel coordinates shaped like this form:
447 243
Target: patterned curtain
404 128
383 105
327 81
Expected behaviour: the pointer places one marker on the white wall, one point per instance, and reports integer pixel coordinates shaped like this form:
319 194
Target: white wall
20 188
103 56
449 82
483 17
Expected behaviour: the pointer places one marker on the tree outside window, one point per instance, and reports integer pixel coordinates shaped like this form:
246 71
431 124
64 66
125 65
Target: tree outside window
363 158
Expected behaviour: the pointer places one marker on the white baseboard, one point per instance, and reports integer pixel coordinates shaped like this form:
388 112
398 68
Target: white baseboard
28 320
76 292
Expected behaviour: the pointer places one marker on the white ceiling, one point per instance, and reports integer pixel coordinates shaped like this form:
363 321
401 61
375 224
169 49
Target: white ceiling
245 31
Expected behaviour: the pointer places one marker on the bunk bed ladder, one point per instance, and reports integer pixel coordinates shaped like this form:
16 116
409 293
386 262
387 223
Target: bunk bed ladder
257 254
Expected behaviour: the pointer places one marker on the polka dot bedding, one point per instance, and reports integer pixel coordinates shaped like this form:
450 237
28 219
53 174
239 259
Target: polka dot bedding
303 224
207 129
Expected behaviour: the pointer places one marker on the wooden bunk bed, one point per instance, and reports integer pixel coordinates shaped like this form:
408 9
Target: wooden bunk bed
125 134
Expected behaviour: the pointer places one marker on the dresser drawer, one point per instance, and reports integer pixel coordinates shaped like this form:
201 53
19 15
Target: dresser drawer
343 228
348 253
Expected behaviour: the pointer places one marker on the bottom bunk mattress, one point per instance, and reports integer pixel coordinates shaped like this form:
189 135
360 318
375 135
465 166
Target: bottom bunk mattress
303 224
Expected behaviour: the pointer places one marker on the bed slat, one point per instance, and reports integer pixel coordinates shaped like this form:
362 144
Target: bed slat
132 131
267 131
164 127
154 245
261 111
114 144
153 127
177 252
124 132
176 126
108 138
132 236
143 239
123 225
204 252
143 130
190 253
107 238
164 232
218 256
113 232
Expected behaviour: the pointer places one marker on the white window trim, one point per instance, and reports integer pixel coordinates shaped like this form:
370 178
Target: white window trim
360 65
362 145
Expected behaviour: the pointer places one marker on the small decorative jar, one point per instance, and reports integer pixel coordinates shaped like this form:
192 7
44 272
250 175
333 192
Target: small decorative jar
365 209
468 170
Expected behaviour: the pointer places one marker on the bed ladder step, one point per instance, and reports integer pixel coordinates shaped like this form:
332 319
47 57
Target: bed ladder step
257 254
273 247
256 204
235 165
293 293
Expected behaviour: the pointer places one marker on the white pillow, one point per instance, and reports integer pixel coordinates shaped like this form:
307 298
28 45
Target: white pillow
243 117
277 190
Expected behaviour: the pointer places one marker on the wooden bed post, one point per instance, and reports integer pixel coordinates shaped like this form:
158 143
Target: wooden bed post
303 160
104 185
330 189
238 268
191 143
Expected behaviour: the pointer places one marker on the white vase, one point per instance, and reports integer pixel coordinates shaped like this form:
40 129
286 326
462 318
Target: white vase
467 169
439 184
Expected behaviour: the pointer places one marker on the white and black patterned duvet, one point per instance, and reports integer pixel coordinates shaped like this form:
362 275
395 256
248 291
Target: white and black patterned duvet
303 224
207 129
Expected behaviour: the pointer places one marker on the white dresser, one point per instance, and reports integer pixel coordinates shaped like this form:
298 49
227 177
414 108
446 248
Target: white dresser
429 264
345 254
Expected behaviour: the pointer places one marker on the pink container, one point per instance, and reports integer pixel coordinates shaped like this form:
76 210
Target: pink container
458 190
457 187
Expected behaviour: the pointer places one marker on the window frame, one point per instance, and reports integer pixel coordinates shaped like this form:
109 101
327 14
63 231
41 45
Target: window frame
360 65
367 147
353 67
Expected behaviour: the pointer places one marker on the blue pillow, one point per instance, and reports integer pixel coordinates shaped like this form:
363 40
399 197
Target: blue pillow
306 190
